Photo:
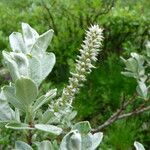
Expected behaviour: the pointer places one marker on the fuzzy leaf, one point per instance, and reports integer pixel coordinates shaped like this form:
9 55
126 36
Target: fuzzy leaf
96 140
42 43
49 128
83 127
19 145
142 90
35 72
128 74
9 93
131 65
17 43
71 141
26 91
138 146
47 64
44 145
11 65
48 117
39 68
17 64
44 99
139 58
18 126
91 141
148 48
6 113
30 36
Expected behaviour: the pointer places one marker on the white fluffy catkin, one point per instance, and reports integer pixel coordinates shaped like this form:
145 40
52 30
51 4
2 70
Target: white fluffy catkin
84 63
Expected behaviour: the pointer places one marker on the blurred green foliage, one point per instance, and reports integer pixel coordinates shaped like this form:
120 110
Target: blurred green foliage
126 28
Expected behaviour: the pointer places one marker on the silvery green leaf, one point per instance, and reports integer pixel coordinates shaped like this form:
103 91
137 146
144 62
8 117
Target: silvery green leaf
17 64
18 126
12 66
141 71
138 146
142 89
131 65
39 102
6 113
51 93
139 58
48 117
30 36
83 127
123 59
72 115
96 140
44 145
35 71
86 141
143 78
71 141
9 93
49 128
19 145
75 141
17 43
47 64
39 68
22 63
148 48
128 74
44 99
17 115
42 43
91 141
26 91
67 119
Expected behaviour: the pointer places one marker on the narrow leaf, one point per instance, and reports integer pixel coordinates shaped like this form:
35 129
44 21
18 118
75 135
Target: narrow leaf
49 128
44 99
18 126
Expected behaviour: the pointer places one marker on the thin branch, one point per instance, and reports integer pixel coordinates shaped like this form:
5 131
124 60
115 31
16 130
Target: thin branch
105 11
30 134
50 16
134 112
119 114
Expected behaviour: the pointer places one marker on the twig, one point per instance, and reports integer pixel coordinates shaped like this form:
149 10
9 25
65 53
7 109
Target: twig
99 13
29 137
50 16
119 114
134 112
30 134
